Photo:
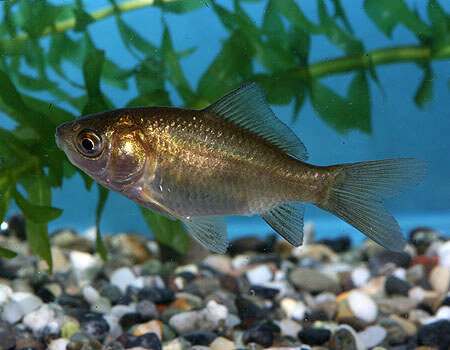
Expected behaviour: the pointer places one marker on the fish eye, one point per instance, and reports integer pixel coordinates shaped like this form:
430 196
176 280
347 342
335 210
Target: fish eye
89 143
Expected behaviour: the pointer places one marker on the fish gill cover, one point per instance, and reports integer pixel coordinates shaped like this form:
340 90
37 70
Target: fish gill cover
39 39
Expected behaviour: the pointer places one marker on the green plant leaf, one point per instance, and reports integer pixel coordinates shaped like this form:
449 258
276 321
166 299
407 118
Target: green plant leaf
386 14
82 18
92 67
133 39
5 200
340 13
359 99
102 197
424 93
36 16
295 15
231 67
279 88
36 213
345 41
180 6
40 196
175 74
6 253
272 24
167 231
335 110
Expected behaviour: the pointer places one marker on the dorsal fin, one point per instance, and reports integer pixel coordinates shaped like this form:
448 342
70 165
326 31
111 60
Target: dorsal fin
247 108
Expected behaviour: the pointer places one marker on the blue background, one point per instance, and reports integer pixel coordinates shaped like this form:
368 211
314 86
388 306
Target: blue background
400 129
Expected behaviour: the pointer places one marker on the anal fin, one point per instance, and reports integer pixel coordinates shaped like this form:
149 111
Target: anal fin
287 220
211 232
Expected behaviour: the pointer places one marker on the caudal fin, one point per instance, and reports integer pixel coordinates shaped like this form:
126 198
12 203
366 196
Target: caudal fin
358 191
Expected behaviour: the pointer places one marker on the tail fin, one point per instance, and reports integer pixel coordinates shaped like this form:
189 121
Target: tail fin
358 191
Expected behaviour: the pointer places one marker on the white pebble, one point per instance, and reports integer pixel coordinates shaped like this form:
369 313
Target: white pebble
190 321
122 278
102 305
444 254
443 313
119 310
440 278
5 293
90 294
289 328
372 336
219 311
12 312
362 306
400 273
360 275
294 309
232 321
58 344
82 260
259 275
27 301
240 261
41 318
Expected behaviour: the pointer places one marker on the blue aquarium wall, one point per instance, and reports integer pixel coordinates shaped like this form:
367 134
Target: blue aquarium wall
399 127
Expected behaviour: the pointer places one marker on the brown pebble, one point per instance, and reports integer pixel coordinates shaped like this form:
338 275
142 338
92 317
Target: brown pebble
29 343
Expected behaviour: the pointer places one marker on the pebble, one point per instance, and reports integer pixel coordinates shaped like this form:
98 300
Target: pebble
313 281
440 278
260 334
294 309
145 341
122 278
360 275
362 306
12 312
314 336
7 340
177 344
190 321
44 318
259 275
444 254
58 344
422 238
372 336
95 325
396 335
221 343
435 334
200 337
345 338
154 326
289 328
395 285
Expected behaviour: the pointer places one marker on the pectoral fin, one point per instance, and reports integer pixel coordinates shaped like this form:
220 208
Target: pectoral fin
211 232
287 220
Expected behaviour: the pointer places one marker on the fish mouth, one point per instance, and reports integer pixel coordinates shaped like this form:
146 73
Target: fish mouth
61 134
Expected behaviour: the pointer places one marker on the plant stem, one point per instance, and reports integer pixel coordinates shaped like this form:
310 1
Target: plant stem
414 53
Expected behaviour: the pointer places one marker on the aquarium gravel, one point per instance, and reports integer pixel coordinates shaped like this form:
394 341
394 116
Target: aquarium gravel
262 294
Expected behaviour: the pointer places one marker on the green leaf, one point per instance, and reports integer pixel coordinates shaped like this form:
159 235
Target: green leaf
340 13
345 41
167 231
82 18
272 24
424 93
37 236
92 67
335 110
36 213
102 197
180 6
175 74
24 115
231 68
36 16
279 87
114 75
359 99
6 253
295 15
5 201
133 39
386 14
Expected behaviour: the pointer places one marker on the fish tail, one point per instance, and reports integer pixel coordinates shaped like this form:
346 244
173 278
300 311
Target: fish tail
358 189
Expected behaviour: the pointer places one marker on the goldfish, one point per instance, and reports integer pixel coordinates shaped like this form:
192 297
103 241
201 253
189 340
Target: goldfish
234 157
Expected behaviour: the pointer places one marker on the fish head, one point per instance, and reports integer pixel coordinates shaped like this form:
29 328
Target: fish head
109 146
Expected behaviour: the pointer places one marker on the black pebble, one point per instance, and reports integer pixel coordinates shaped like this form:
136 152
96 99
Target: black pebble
446 301
314 336
130 319
111 292
200 337
339 245
7 340
261 334
147 310
147 341
157 295
435 334
95 325
45 294
400 259
248 310
396 286
263 292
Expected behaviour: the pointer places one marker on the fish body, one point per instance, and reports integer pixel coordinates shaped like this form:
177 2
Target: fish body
231 158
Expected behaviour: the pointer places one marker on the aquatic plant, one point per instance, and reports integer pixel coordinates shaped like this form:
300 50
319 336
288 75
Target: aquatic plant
38 39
